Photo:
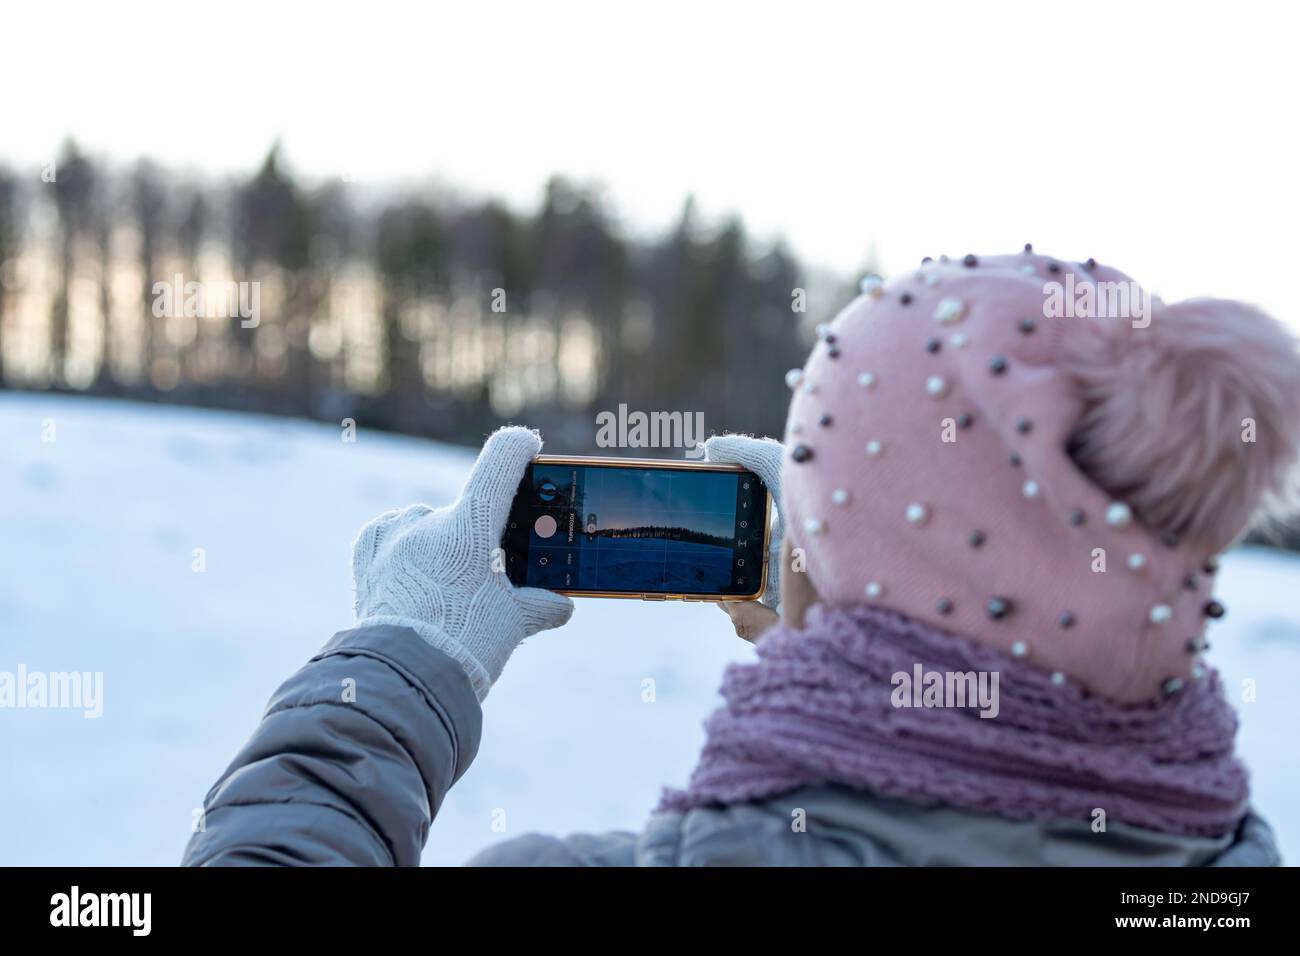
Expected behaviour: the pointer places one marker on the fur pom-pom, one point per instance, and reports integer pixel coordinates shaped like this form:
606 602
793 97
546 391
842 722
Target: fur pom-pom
1193 420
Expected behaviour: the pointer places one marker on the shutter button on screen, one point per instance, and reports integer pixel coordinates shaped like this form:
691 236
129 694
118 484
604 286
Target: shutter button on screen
544 526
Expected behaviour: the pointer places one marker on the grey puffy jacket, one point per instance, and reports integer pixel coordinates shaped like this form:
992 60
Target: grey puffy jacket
356 751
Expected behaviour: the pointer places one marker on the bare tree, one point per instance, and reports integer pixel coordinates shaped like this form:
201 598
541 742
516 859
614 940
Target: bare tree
74 190
10 241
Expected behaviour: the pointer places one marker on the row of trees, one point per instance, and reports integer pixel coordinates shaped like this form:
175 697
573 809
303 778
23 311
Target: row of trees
658 532
411 310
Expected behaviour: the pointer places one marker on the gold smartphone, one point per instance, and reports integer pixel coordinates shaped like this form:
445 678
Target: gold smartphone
639 528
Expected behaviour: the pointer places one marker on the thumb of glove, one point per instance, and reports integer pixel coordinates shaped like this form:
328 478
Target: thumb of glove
542 610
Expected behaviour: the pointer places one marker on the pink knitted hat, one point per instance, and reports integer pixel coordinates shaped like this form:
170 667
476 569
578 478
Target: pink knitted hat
1052 485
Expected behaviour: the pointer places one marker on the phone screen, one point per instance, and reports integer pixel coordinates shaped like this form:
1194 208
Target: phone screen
620 529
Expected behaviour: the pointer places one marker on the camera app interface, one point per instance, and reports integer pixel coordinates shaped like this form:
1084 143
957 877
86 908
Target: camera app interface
617 529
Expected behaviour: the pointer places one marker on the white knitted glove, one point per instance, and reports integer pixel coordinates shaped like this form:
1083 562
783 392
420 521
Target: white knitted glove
433 570
763 457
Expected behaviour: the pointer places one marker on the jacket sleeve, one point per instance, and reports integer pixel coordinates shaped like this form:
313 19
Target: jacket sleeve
350 762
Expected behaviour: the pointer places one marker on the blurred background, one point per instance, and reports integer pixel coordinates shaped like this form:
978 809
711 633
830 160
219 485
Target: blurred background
460 215
412 310
647 193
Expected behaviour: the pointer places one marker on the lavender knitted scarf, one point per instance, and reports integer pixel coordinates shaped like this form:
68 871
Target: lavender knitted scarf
816 708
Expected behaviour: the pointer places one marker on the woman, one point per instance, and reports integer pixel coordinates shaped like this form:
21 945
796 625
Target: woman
984 639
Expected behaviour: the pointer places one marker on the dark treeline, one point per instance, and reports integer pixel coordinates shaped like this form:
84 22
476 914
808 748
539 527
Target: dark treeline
412 311
666 534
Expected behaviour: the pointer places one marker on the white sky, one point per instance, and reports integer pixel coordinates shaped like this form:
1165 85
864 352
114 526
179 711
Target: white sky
1157 137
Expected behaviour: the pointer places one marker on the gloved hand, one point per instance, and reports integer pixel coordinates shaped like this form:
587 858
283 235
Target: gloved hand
763 457
433 570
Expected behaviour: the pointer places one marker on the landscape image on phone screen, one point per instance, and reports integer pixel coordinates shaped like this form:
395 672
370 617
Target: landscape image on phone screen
637 530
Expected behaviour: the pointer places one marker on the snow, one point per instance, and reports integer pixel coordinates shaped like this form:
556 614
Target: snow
98 530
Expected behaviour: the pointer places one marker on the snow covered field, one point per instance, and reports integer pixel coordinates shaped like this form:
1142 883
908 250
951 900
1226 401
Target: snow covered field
98 530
